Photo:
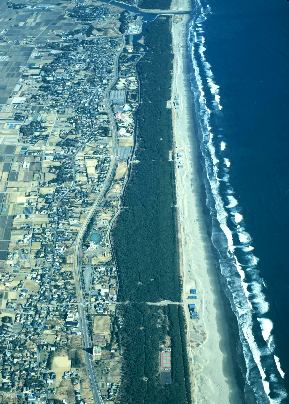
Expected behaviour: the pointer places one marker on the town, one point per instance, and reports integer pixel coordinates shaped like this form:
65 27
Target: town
69 92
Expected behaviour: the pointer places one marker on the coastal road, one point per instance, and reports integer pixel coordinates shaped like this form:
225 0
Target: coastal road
83 323
92 379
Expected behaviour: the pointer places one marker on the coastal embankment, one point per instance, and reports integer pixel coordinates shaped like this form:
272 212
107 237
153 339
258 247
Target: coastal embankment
145 241
212 369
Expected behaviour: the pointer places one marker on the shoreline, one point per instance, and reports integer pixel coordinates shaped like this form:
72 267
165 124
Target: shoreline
212 370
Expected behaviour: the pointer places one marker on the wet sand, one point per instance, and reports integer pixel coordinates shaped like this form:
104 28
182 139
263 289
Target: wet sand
211 364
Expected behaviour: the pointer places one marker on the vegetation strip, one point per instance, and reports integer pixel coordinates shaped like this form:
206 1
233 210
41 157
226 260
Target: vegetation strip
145 242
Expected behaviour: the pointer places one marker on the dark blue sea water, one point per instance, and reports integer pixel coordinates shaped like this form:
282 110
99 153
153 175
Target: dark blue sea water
240 80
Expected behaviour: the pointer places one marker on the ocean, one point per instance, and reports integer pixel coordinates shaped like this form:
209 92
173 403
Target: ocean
240 82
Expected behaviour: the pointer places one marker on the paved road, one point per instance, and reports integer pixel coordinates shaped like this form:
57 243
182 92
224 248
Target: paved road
83 324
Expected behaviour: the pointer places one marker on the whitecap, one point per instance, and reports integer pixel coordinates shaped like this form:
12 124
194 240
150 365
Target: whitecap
241 298
253 260
238 217
222 145
278 365
244 237
244 284
258 298
227 162
213 86
247 248
232 202
266 327
226 178
229 235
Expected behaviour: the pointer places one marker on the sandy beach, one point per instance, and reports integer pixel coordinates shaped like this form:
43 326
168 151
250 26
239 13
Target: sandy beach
211 364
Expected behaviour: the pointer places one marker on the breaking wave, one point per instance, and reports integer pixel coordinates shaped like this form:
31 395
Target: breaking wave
238 264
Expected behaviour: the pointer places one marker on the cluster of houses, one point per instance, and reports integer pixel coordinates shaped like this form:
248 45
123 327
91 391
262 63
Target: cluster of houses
56 139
